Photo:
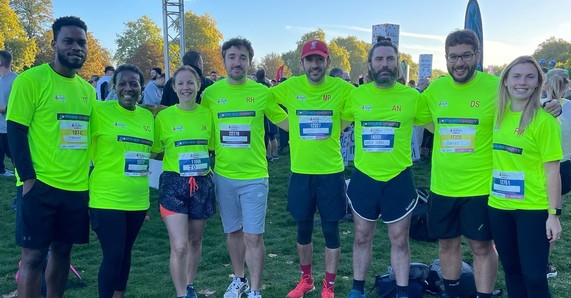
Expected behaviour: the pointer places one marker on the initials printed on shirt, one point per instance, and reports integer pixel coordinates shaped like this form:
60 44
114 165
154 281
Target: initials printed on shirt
378 136
508 185
315 124
137 163
193 164
73 131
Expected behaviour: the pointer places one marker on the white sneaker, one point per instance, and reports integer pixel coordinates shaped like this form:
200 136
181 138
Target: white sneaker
8 173
236 288
254 295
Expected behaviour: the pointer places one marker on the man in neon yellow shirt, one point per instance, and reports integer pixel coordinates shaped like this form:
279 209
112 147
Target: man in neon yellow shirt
314 102
461 106
48 129
382 183
238 106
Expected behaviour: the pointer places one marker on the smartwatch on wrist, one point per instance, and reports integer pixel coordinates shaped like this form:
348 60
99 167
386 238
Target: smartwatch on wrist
554 211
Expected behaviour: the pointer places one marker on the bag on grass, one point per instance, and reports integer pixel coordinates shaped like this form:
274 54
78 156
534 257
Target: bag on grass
419 217
386 286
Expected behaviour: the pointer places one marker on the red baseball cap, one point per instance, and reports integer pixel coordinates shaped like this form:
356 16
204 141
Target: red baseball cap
314 47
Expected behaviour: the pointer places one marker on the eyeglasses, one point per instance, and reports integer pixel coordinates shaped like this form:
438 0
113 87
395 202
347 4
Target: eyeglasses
466 57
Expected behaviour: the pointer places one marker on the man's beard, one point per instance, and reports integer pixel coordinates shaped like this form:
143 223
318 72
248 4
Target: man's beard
384 80
63 60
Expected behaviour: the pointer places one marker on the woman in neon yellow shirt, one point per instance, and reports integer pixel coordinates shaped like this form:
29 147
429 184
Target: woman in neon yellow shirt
186 191
121 138
525 200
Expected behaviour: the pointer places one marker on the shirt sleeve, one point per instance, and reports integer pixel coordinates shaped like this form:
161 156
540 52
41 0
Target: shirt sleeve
22 102
549 140
423 115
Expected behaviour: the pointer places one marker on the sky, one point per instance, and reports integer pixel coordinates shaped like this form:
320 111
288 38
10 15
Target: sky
511 27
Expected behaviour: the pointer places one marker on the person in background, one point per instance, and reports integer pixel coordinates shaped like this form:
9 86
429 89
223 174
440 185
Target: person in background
270 129
525 200
49 138
555 86
186 191
121 140
93 80
154 89
102 89
194 60
336 72
213 76
7 77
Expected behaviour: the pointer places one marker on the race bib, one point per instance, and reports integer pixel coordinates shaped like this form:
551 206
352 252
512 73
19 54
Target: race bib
137 163
457 139
315 125
378 136
235 135
73 130
193 164
508 185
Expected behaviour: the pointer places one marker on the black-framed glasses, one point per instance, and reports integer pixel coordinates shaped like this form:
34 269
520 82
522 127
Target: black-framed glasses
466 57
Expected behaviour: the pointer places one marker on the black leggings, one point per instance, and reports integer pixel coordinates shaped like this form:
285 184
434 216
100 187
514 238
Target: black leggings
523 247
117 231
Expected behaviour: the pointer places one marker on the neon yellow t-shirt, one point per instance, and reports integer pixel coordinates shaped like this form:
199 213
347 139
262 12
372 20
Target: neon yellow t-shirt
383 128
56 110
314 122
463 117
185 136
238 115
518 177
121 148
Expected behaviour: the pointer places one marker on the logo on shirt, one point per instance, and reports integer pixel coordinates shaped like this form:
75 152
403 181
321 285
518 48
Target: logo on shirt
84 98
59 98
250 99
326 97
203 128
177 128
366 108
147 128
119 124
300 97
222 101
443 104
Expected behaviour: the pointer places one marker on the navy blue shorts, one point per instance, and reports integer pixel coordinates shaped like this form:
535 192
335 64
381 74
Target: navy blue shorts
450 217
391 200
46 214
308 193
174 196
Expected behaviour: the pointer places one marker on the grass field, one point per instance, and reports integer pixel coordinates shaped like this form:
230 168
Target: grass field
150 273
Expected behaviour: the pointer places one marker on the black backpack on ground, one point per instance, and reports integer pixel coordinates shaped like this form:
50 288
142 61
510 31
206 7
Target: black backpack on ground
419 217
467 282
386 287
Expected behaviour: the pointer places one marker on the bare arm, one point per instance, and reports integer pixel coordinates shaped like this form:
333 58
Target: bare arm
552 225
553 107
284 124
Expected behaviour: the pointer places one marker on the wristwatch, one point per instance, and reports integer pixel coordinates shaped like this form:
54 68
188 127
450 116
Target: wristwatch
554 211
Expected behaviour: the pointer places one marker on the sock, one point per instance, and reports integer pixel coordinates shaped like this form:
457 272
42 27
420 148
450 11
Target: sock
452 287
256 292
402 291
305 269
330 279
359 285
243 279
482 295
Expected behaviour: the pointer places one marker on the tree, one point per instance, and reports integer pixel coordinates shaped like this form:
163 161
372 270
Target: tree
97 58
358 51
45 52
339 56
35 15
554 49
147 56
413 67
436 73
135 34
13 38
202 35
271 62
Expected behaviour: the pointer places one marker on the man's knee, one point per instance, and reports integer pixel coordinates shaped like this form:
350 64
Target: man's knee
482 248
61 250
451 245
253 240
34 259
330 231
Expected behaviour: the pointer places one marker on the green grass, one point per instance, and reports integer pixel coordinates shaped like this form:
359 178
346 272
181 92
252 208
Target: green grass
150 273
